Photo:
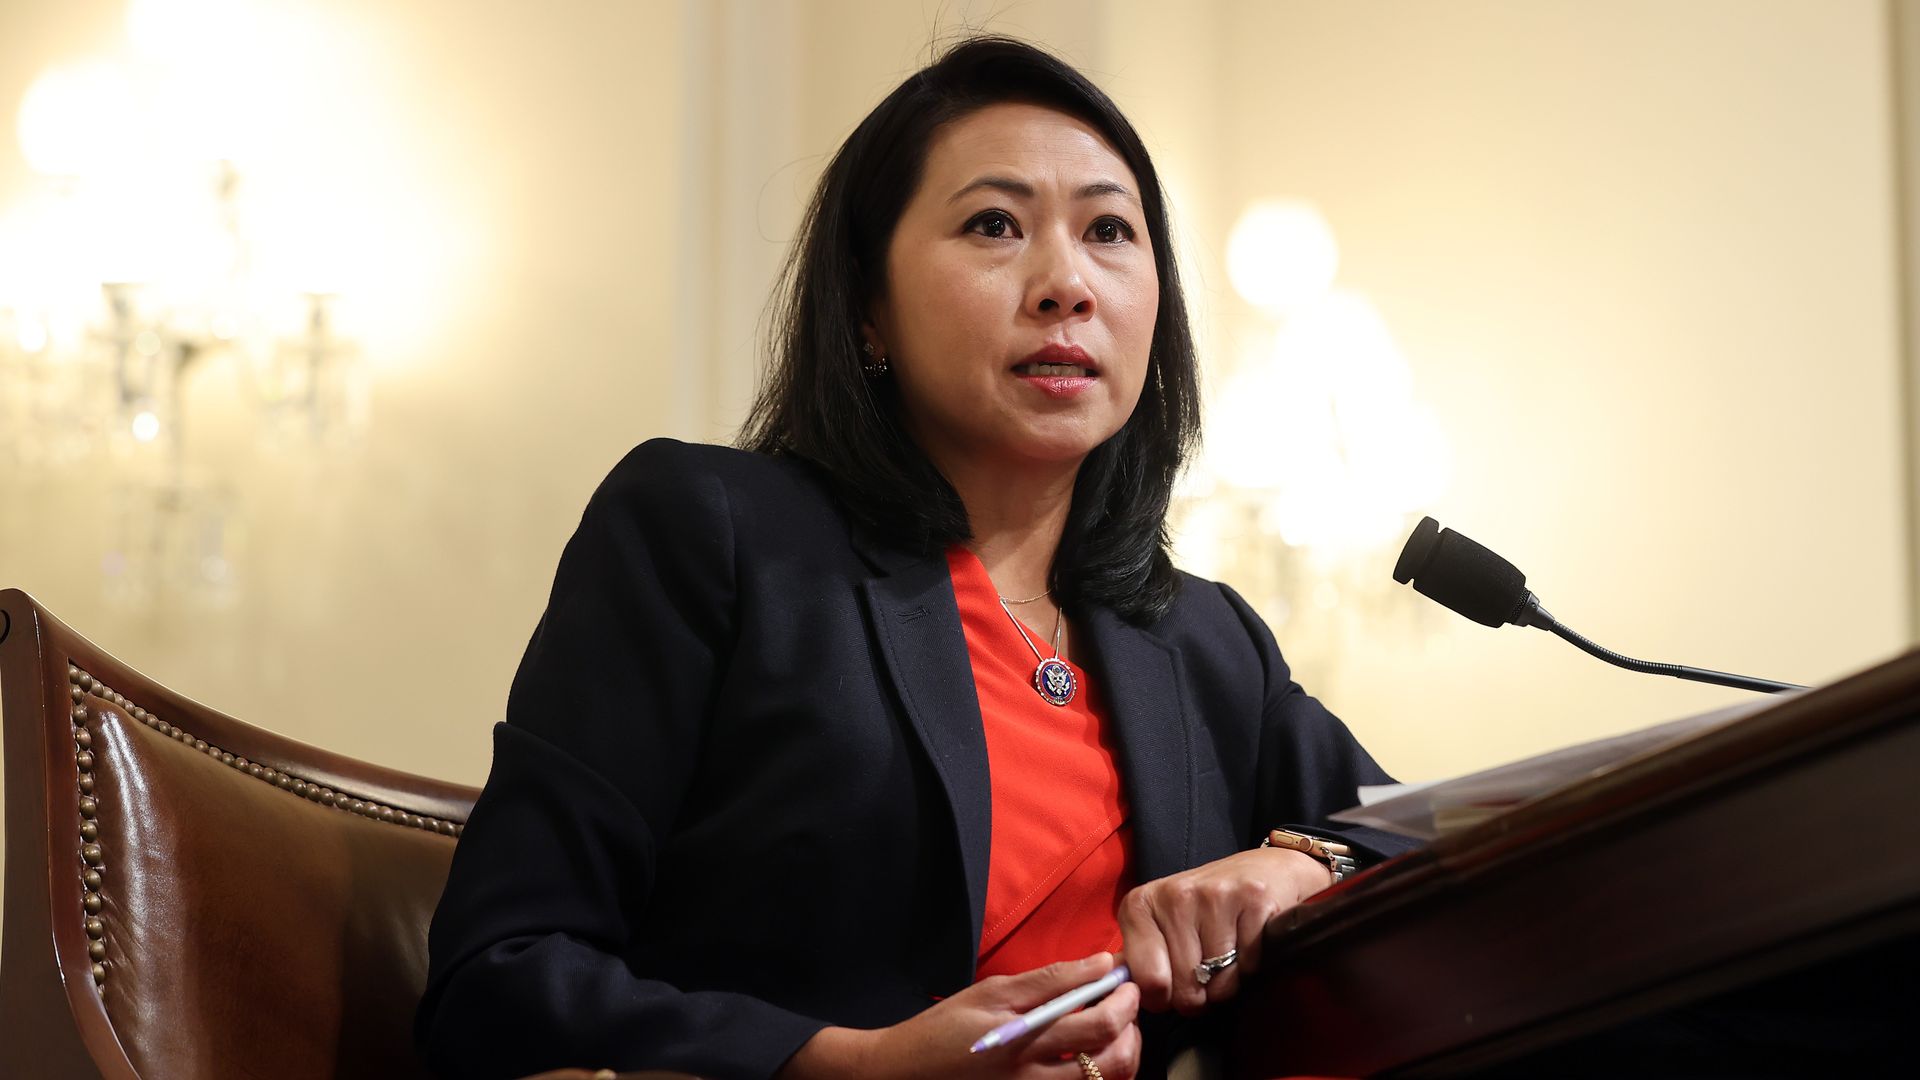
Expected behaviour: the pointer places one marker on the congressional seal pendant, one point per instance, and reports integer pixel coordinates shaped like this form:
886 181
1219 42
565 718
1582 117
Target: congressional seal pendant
1055 681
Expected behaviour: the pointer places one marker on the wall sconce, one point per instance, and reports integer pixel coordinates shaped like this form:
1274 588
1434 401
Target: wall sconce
1318 455
128 276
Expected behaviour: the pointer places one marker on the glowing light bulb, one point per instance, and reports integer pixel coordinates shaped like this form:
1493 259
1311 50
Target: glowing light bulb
74 120
1282 254
146 426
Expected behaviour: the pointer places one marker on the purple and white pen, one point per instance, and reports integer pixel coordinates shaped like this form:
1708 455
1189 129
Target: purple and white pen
1053 1010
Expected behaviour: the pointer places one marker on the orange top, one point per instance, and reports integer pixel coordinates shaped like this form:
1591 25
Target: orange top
1060 855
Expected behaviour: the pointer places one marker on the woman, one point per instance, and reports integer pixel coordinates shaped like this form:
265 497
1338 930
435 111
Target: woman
833 752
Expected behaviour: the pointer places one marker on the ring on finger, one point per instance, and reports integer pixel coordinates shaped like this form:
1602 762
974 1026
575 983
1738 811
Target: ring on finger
1205 970
1088 1070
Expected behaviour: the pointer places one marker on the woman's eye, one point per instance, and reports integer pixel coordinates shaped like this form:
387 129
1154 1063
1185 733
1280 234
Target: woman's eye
1111 231
994 225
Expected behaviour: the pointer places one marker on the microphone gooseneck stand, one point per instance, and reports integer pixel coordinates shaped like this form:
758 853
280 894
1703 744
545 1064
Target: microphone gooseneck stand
1538 616
1472 580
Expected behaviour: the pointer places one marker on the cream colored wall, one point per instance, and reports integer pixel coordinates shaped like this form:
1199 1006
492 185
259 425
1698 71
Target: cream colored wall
1640 257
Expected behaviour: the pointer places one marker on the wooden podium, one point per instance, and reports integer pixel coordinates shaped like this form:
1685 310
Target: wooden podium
1784 840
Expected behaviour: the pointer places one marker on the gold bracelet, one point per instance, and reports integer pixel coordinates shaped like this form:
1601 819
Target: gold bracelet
1327 851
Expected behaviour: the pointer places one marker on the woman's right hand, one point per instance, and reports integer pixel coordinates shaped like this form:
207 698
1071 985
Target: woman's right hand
934 1042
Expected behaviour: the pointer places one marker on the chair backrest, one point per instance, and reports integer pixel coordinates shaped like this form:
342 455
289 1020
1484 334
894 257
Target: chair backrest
190 896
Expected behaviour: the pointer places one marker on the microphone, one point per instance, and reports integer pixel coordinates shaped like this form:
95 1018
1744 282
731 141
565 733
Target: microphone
1447 567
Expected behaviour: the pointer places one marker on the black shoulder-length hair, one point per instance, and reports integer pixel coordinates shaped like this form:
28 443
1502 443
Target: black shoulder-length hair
817 405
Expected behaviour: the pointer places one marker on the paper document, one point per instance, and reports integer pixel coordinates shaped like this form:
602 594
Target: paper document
1431 809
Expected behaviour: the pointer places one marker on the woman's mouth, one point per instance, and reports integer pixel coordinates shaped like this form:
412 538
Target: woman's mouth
1068 370
1060 372
1057 360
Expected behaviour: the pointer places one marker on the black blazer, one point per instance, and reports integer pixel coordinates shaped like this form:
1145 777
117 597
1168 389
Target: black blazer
741 792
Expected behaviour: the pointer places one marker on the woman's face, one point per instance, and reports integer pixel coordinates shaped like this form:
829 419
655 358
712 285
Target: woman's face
1021 292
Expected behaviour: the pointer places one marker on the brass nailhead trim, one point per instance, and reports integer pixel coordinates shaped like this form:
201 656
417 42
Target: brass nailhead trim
91 856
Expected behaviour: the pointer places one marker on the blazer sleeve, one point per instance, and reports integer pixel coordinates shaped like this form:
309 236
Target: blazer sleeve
1310 765
604 727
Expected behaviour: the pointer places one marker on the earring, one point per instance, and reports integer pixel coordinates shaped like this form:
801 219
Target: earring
874 365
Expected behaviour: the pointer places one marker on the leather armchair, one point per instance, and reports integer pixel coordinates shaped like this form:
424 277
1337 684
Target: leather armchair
190 896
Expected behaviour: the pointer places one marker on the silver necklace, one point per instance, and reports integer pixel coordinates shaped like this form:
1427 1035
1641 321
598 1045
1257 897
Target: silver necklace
1053 680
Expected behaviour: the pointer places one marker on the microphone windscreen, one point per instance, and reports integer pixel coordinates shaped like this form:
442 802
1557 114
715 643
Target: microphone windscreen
1455 571
1418 550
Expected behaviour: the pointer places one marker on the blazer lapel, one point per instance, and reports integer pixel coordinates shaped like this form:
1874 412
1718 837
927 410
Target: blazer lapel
1142 692
917 623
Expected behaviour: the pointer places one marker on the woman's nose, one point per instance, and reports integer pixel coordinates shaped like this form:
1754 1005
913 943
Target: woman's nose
1059 285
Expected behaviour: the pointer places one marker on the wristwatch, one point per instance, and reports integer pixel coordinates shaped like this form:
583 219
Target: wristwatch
1327 851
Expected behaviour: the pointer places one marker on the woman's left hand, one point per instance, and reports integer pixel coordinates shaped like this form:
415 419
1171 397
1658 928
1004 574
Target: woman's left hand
1174 922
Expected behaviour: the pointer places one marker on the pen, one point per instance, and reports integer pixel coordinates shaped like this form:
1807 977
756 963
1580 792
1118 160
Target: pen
1052 1010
